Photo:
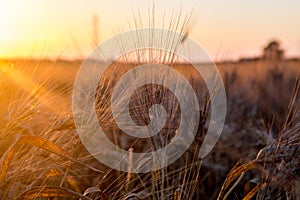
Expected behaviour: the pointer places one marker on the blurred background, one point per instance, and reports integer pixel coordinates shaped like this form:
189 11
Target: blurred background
228 30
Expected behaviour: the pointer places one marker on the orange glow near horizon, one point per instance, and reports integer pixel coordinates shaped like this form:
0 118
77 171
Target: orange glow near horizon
227 30
31 87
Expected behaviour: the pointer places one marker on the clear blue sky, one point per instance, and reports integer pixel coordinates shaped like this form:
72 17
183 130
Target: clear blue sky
226 29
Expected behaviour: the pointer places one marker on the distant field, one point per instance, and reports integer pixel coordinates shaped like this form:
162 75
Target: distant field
62 73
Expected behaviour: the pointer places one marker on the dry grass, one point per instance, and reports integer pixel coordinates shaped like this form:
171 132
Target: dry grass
257 156
42 156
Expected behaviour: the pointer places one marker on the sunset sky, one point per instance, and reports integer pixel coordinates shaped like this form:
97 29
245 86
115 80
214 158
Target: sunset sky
226 29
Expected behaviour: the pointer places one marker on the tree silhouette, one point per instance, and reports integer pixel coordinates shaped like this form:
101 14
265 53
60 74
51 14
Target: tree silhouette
273 51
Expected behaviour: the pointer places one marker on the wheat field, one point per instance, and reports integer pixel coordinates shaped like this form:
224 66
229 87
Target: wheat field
257 156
